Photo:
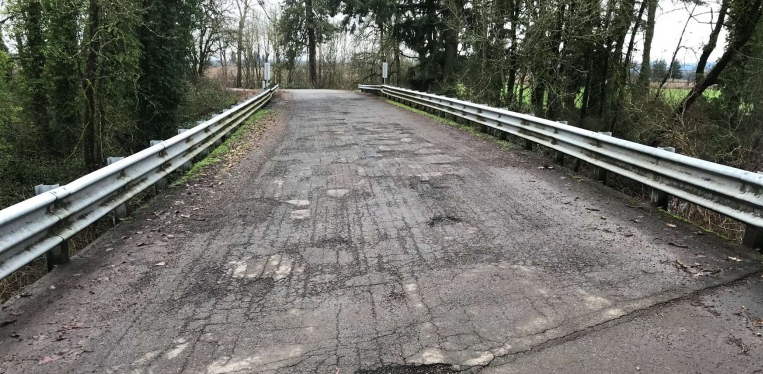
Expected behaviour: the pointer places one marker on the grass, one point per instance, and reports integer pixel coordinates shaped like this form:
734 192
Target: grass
672 96
684 220
221 151
675 95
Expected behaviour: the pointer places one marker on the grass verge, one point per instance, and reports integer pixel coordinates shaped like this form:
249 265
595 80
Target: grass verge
467 128
219 153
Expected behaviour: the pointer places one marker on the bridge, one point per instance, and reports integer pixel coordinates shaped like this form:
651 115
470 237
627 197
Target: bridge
358 236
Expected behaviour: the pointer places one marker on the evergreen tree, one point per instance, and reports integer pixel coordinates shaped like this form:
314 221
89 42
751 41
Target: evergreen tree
676 72
659 69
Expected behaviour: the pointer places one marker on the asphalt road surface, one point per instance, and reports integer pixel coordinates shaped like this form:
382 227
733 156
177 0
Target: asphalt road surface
361 237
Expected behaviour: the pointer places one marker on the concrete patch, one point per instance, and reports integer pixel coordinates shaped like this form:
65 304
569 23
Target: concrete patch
298 202
300 214
337 192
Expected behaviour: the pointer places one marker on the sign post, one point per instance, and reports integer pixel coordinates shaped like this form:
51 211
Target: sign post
267 74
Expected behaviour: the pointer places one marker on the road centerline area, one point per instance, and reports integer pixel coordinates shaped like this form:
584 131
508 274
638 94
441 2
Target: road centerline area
364 237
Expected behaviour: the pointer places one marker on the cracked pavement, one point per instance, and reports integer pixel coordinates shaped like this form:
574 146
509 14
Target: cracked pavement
359 236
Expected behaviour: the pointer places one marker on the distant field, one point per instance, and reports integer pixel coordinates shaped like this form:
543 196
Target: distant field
672 93
675 95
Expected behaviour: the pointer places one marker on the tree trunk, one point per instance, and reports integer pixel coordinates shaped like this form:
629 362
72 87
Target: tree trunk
539 94
34 66
310 24
240 46
644 75
511 81
92 158
450 38
201 58
710 46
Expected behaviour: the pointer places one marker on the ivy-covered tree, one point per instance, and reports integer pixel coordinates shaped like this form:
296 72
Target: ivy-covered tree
166 39
33 60
63 33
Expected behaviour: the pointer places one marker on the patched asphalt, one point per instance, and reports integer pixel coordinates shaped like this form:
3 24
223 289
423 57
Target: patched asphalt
361 237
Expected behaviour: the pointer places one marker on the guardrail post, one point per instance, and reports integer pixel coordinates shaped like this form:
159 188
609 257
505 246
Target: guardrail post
503 135
558 155
59 254
528 145
659 198
161 184
753 235
188 164
601 172
120 211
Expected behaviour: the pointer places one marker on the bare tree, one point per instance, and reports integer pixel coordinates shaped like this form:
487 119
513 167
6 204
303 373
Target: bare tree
742 32
243 11
210 28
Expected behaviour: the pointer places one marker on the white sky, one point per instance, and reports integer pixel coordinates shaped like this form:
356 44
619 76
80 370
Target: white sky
670 21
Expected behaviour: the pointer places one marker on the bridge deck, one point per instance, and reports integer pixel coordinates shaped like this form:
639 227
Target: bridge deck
359 235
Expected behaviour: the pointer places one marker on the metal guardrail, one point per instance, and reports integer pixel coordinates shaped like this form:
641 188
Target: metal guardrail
368 87
732 192
32 227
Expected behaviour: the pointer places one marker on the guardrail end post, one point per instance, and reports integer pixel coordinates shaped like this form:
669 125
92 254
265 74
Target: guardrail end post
528 145
59 254
559 157
161 184
121 210
753 237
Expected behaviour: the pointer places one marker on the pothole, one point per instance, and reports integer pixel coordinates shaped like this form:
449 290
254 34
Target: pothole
440 220
411 369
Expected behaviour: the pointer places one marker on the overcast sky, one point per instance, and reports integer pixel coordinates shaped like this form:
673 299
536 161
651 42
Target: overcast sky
671 18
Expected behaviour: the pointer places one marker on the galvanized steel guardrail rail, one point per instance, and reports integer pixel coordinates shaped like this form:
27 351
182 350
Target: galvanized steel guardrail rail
732 192
32 227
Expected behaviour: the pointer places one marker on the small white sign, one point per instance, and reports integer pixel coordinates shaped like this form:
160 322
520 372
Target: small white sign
384 70
267 71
